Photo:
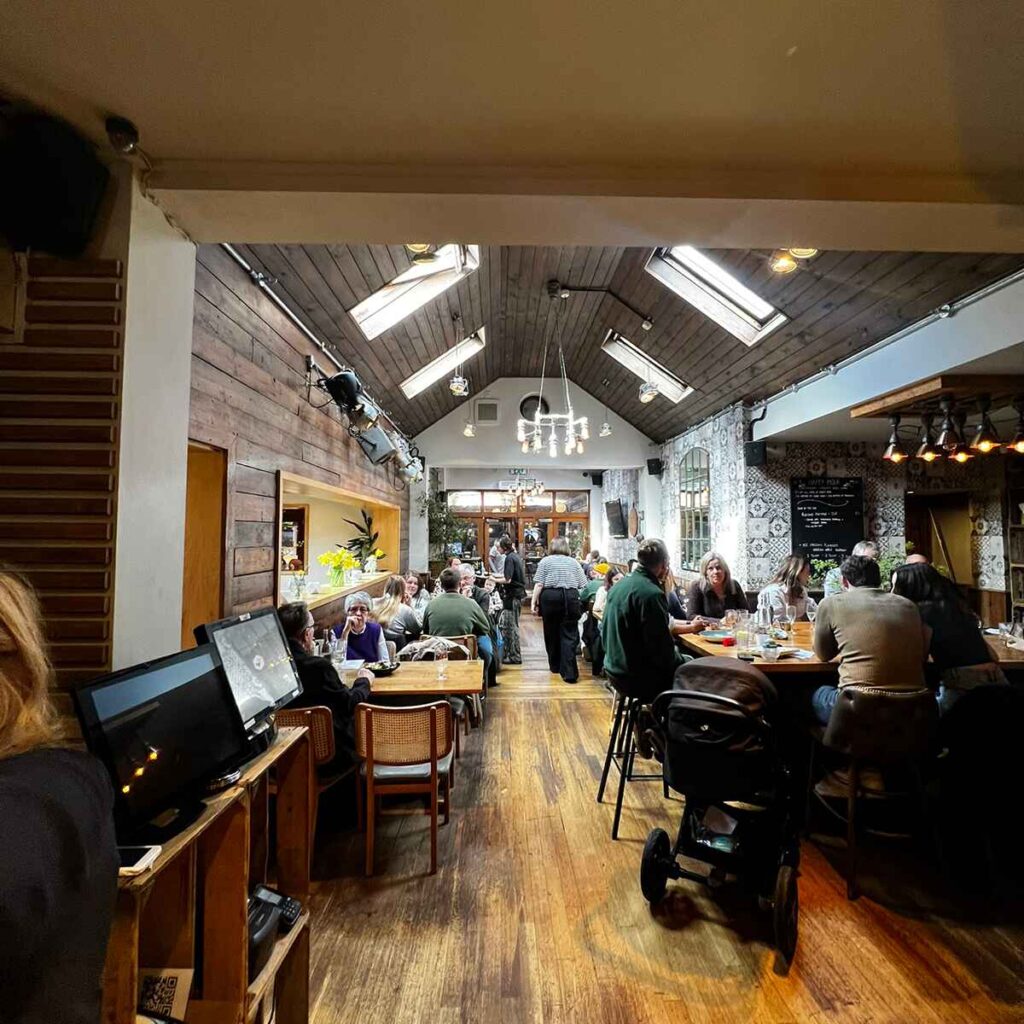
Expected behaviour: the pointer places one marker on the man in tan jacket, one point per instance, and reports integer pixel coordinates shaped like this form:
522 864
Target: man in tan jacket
879 637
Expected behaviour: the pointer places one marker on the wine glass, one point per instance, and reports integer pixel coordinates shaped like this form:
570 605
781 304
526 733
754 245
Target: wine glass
812 614
790 616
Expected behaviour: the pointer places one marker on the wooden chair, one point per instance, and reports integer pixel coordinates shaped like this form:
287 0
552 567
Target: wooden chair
320 723
405 750
884 728
469 641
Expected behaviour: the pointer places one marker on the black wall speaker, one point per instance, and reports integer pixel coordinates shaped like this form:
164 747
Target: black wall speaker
598 479
755 453
655 467
51 184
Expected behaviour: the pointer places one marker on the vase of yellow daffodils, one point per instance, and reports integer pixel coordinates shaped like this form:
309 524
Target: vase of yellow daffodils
341 565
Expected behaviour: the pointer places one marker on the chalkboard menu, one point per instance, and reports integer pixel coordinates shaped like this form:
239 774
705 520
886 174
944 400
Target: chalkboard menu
827 515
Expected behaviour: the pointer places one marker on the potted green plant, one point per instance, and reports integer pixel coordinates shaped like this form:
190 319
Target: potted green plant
364 544
444 528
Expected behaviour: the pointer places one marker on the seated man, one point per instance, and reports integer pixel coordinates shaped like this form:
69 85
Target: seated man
451 614
833 582
640 656
879 637
321 684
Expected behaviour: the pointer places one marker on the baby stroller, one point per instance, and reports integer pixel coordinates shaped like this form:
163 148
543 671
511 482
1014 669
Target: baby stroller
721 755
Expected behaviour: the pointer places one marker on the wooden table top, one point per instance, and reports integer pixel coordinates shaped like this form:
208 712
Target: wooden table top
802 634
419 679
801 638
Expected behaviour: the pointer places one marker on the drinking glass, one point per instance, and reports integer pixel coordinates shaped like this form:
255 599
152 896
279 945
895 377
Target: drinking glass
791 615
729 619
812 614
441 661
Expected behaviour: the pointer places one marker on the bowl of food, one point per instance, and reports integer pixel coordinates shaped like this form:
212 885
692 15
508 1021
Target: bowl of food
382 668
771 652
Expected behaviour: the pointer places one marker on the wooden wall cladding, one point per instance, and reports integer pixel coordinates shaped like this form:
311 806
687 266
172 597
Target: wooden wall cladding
249 398
60 384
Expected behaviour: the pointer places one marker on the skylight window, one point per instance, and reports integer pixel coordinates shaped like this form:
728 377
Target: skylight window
646 368
443 364
414 288
715 292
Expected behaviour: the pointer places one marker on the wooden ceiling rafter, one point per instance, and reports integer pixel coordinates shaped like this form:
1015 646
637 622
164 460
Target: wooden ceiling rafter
925 396
838 304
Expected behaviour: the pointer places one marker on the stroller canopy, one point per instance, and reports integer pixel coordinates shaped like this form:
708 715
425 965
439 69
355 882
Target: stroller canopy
728 677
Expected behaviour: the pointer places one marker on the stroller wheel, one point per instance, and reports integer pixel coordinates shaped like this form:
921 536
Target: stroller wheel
655 865
786 911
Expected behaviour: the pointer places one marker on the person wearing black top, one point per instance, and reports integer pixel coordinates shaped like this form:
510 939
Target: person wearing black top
512 591
58 852
716 592
957 647
321 684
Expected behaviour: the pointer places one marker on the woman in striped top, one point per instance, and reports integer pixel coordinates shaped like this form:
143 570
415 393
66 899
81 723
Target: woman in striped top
556 598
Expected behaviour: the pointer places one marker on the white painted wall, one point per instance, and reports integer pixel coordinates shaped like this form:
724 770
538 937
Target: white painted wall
986 327
154 437
443 443
327 528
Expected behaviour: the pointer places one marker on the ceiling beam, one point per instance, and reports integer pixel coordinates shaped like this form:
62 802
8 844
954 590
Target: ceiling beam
924 395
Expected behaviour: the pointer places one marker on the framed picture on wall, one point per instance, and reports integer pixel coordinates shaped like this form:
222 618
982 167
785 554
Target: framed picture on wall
294 538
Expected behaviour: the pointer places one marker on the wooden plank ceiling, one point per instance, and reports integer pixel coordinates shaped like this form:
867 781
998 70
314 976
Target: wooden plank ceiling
837 304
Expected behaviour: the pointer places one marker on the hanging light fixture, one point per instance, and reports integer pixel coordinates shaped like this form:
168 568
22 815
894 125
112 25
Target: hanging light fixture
949 438
648 392
894 451
469 430
928 451
803 254
985 438
458 385
606 429
1016 443
421 253
962 452
530 433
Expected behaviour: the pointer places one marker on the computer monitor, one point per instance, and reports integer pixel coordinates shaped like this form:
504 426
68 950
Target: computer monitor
163 729
257 662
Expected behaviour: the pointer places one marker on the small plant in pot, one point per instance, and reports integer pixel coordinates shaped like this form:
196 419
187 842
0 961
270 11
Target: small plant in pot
364 544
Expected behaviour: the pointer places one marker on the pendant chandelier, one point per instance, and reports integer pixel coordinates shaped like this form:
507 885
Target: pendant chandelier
544 428
523 488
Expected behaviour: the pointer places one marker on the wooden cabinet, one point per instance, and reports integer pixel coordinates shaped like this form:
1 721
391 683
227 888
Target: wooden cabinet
190 910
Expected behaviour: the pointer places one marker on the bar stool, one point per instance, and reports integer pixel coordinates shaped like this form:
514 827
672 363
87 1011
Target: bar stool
884 728
622 750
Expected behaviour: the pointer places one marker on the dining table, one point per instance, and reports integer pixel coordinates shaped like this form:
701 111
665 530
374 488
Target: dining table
419 679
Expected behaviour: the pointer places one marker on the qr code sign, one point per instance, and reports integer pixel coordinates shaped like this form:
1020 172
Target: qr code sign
165 992
158 995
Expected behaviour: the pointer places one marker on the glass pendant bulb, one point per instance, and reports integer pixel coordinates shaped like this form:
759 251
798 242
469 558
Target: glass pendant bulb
570 446
537 442
579 447
584 430
606 430
553 449
985 438
526 447
520 431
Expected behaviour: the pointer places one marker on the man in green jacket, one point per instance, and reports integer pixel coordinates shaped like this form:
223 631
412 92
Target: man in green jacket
640 657
451 614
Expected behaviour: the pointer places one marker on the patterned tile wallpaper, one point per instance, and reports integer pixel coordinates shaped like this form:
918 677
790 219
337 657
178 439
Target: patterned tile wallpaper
623 484
750 506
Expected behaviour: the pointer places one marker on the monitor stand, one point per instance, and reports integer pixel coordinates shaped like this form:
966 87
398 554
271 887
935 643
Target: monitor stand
261 737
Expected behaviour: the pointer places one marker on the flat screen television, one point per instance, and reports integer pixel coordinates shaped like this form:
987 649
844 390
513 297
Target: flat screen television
616 516
257 662
163 729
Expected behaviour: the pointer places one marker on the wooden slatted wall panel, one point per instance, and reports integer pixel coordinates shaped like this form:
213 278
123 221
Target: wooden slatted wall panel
60 387
248 397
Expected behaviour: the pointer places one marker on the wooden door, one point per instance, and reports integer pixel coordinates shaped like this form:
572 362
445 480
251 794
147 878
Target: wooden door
203 587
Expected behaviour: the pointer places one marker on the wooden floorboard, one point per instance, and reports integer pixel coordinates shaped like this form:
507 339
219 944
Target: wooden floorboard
535 915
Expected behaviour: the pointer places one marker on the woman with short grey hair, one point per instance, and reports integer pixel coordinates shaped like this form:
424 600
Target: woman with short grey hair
364 638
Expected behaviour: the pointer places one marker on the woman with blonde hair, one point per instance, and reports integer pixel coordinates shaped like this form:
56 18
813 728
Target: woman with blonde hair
58 854
395 615
716 592
789 587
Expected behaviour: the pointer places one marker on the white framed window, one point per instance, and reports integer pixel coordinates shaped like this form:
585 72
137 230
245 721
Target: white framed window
647 369
414 288
715 292
445 363
694 507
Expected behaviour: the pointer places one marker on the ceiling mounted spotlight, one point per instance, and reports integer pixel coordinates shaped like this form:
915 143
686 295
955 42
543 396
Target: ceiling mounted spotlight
469 430
894 451
985 438
458 386
782 262
122 134
648 392
928 451
606 430
646 324
421 252
803 254
949 437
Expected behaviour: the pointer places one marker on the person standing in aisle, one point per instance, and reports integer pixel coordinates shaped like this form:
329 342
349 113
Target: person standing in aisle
556 598
513 590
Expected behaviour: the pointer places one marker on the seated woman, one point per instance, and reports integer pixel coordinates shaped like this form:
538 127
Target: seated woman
58 854
611 577
789 587
957 646
417 594
395 615
364 638
716 592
